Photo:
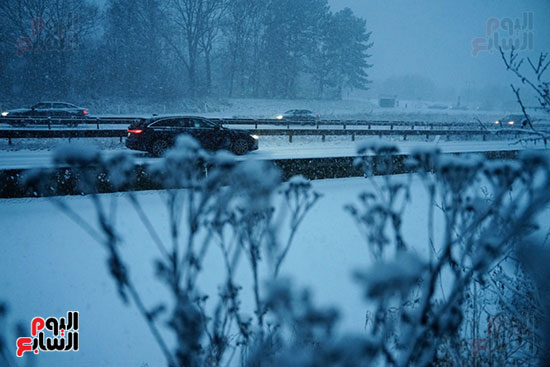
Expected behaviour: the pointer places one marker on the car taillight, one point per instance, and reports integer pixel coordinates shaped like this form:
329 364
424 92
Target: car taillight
318 116
85 112
135 131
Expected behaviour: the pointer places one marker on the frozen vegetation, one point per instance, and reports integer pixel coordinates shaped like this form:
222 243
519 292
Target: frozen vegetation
228 270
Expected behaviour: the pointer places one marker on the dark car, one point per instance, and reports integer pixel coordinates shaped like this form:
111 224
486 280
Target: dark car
299 115
512 121
60 110
158 134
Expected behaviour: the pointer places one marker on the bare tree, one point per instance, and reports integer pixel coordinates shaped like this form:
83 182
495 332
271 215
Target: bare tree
134 47
243 29
536 83
209 37
48 33
194 22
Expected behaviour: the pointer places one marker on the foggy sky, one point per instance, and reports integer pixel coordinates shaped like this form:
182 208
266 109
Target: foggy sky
434 37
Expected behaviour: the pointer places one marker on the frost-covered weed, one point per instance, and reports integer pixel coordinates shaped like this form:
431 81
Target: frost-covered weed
212 200
478 229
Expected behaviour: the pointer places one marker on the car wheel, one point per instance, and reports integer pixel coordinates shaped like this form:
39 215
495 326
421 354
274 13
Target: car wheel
159 147
524 124
239 146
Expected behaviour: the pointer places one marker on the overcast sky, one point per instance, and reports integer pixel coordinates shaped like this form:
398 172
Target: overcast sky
434 37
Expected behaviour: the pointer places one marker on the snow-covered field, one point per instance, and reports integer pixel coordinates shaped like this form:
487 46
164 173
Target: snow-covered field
49 266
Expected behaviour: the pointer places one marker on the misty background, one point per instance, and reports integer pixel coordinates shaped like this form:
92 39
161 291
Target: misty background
432 41
152 50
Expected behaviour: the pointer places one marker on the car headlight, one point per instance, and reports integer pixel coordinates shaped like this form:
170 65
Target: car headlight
280 117
510 122
255 137
4 114
497 122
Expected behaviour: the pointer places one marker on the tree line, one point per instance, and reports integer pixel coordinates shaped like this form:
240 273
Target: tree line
154 49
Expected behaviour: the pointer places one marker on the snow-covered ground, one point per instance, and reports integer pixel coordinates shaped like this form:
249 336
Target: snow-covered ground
29 153
50 266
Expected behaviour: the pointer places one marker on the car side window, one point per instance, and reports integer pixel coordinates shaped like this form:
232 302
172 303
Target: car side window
199 123
167 123
186 123
42 105
59 105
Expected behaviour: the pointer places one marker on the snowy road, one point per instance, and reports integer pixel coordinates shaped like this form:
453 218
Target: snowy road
322 126
25 159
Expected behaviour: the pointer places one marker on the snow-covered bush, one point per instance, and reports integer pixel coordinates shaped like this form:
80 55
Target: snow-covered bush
535 257
213 201
479 227
416 304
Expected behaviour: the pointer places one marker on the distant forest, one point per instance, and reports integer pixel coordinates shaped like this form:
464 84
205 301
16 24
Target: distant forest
153 49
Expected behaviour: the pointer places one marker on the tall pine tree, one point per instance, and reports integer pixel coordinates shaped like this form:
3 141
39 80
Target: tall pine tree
342 60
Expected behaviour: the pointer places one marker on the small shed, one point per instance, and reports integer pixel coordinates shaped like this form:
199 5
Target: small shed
388 101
